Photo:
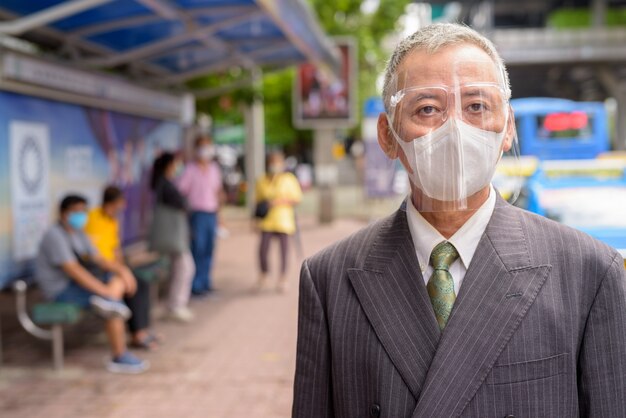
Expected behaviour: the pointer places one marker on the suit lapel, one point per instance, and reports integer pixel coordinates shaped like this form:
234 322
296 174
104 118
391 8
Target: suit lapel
498 289
393 296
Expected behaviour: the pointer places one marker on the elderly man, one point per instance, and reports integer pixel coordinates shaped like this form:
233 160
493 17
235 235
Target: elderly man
459 304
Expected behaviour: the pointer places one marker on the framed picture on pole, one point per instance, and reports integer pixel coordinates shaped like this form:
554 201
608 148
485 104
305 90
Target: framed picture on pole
323 99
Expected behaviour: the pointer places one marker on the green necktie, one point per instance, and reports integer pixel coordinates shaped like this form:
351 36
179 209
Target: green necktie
441 285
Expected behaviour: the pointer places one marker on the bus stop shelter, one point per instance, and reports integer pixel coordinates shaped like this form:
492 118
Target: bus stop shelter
166 43
160 45
135 57
94 88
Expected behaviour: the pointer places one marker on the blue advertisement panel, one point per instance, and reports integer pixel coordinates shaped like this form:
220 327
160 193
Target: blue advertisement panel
383 177
49 149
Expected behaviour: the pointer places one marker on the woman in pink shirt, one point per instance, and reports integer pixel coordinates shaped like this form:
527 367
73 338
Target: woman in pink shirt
201 184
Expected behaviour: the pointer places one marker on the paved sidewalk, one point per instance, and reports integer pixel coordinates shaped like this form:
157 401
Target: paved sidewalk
236 360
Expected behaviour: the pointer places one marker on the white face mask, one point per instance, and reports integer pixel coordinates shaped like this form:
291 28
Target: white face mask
206 152
454 161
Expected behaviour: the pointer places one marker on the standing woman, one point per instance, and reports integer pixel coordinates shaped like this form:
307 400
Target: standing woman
281 191
169 235
201 184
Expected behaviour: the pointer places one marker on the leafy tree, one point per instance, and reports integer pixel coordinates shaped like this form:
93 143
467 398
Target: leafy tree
345 17
337 18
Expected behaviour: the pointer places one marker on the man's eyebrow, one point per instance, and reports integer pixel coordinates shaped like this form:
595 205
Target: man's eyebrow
473 92
425 95
478 92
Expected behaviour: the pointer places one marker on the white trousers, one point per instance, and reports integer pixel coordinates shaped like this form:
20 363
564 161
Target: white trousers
182 271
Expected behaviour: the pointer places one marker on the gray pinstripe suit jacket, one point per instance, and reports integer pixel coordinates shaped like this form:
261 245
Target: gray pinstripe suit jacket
538 328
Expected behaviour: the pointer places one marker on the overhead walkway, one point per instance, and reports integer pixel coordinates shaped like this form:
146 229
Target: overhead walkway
549 46
603 48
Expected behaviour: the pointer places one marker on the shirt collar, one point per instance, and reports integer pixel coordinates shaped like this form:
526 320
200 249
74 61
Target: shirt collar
465 240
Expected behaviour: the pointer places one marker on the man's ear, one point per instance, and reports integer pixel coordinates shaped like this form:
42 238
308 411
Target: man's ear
385 138
510 132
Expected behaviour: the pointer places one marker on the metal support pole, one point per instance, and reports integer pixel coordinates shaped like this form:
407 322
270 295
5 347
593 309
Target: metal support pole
483 16
325 172
616 89
620 120
57 347
254 149
598 13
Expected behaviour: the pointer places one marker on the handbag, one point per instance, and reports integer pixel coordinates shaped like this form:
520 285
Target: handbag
262 209
169 231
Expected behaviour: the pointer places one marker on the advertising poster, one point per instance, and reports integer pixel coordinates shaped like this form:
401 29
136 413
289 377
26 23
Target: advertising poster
30 198
49 149
382 178
321 100
380 172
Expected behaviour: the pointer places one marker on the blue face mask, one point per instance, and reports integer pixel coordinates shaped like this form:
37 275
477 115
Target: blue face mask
77 220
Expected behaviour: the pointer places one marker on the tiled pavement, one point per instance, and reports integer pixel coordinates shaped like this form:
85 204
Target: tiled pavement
236 360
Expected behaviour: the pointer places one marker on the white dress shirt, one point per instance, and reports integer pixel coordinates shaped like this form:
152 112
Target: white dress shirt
465 240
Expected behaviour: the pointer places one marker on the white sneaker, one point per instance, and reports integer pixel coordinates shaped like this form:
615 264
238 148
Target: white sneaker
108 308
222 232
183 314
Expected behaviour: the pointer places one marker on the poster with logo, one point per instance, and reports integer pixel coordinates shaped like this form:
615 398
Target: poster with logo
30 197
49 149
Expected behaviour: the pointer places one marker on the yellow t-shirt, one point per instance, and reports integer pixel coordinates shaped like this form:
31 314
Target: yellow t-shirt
103 232
280 218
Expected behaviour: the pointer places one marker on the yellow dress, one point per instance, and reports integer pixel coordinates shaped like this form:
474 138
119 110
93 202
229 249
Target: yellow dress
280 218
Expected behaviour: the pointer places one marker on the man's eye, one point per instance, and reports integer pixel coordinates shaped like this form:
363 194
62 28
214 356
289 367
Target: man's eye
477 107
427 110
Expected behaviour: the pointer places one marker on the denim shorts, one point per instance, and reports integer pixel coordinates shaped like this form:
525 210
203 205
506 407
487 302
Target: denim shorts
78 295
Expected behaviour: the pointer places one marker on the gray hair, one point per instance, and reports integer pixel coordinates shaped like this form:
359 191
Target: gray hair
434 37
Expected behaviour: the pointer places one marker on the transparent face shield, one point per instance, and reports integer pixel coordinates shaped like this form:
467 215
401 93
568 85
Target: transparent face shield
452 128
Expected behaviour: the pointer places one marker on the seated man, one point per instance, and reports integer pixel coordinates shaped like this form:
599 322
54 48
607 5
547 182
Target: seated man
69 269
103 230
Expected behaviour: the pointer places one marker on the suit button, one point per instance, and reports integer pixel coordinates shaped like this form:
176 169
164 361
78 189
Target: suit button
510 416
375 410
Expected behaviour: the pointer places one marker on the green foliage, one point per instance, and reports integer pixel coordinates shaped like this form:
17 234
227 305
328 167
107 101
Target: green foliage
277 92
225 108
571 18
337 18
344 17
